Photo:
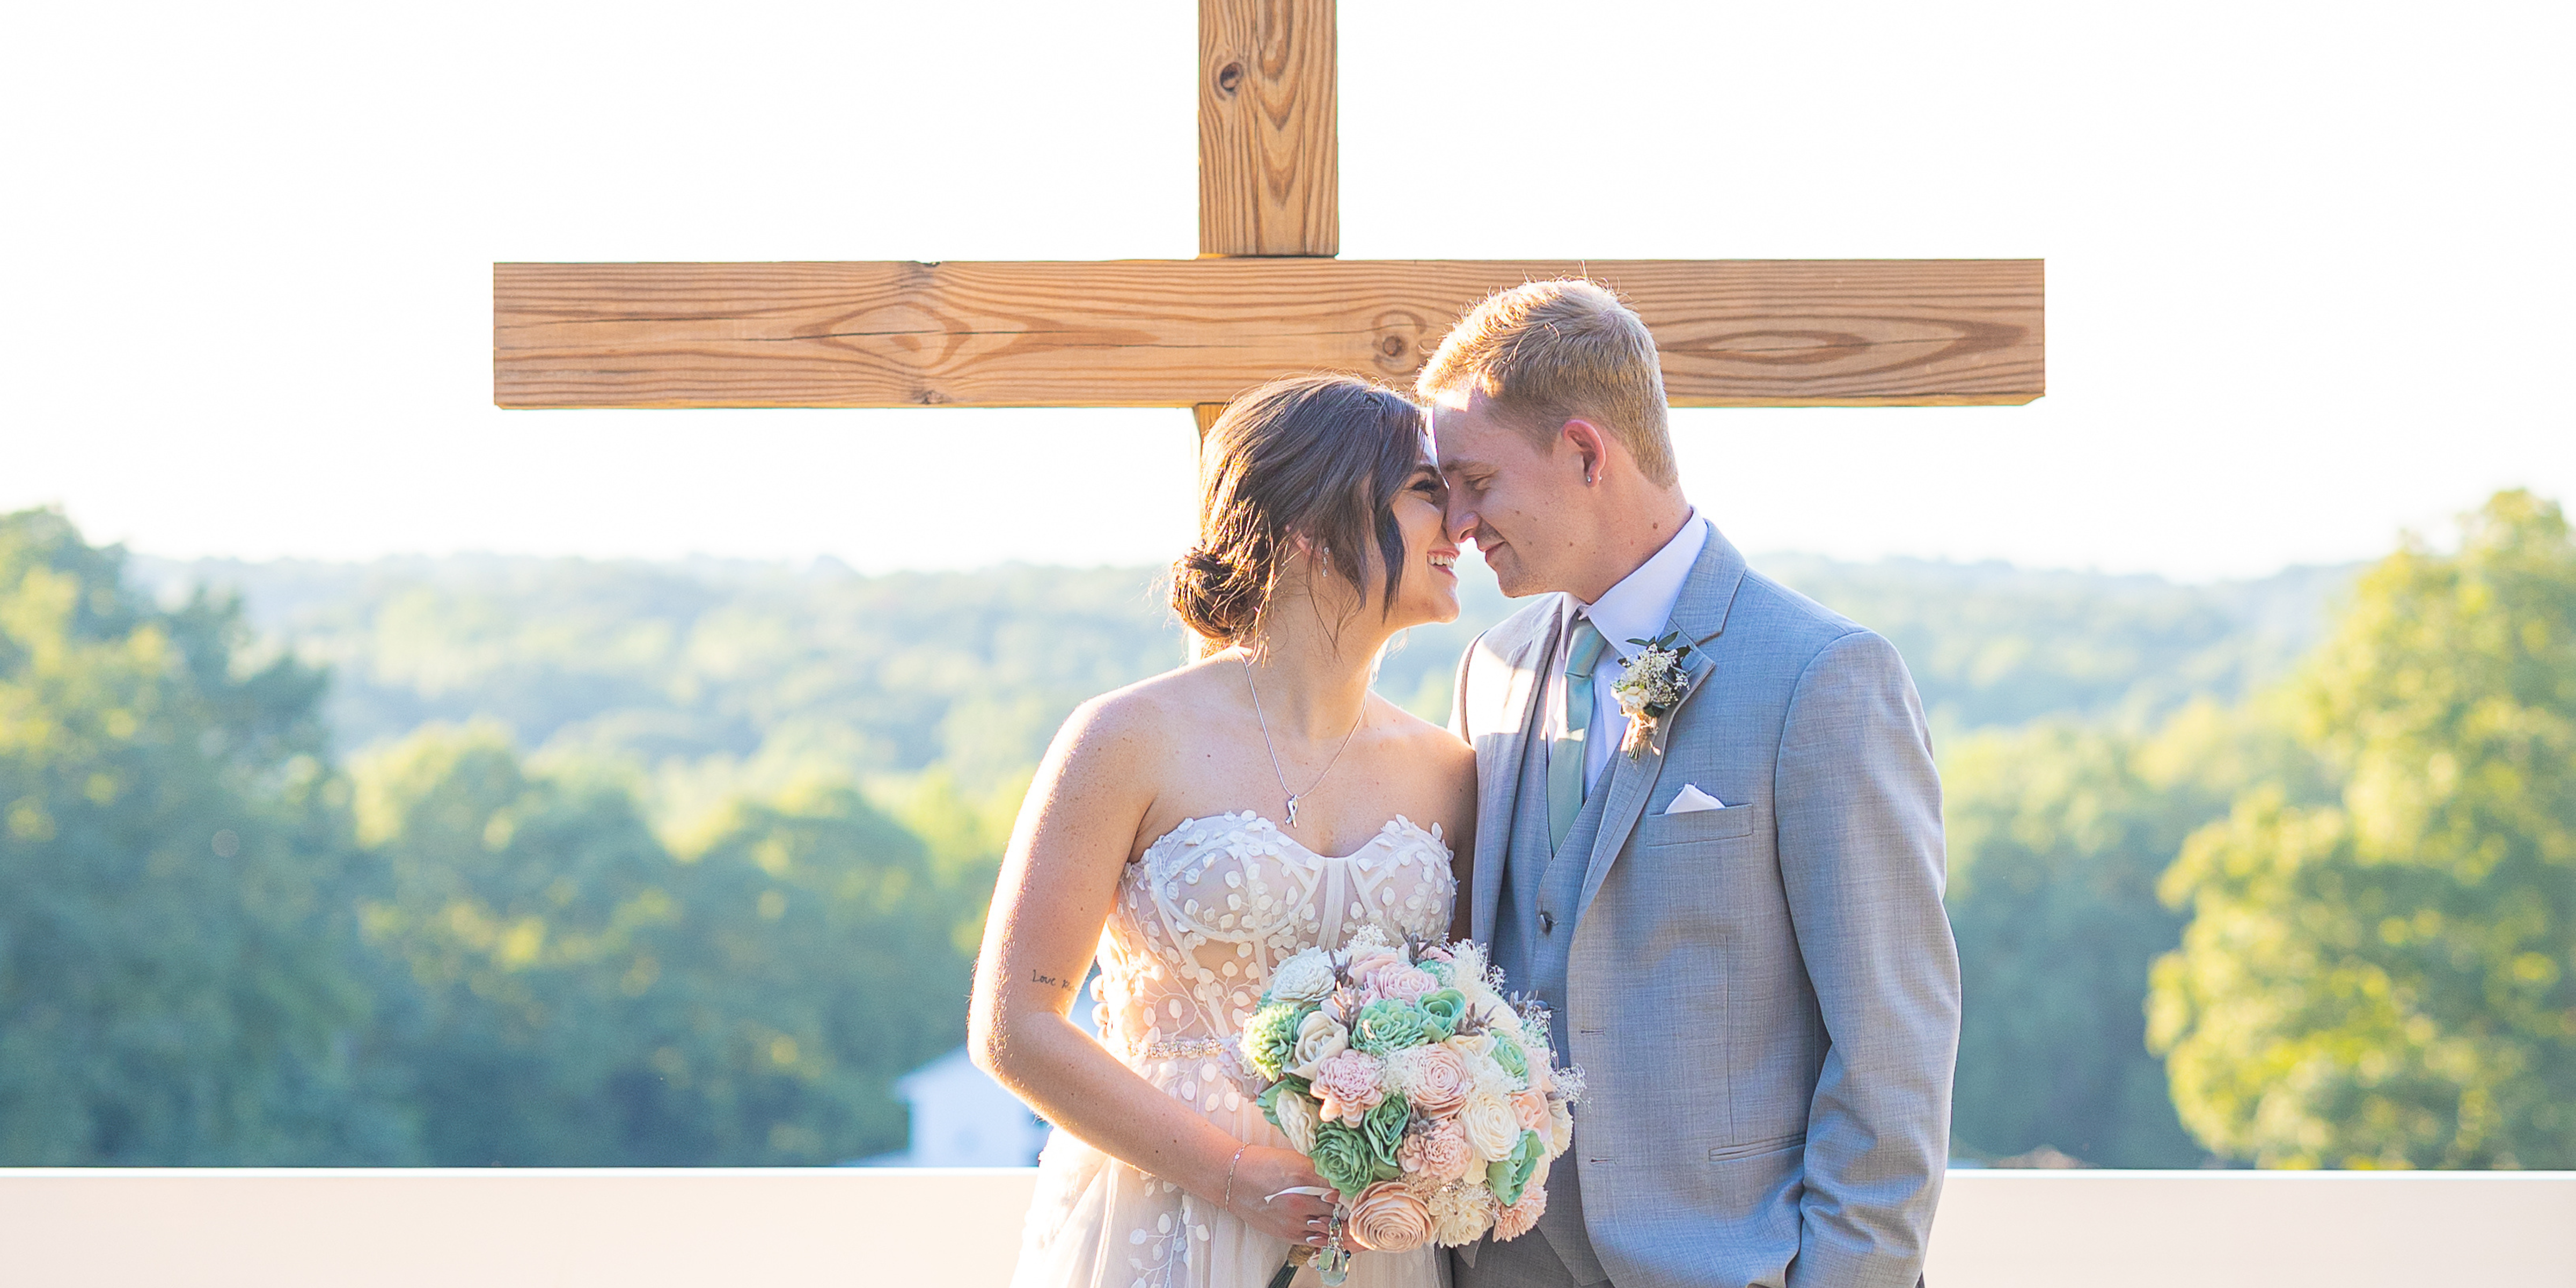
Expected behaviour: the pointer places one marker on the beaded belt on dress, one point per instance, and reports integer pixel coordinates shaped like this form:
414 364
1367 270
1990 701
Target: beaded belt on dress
1187 1049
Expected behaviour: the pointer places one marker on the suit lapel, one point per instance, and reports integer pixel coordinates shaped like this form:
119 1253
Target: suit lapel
1700 616
1498 767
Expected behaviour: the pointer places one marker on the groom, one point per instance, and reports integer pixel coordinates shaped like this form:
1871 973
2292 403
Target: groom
1736 917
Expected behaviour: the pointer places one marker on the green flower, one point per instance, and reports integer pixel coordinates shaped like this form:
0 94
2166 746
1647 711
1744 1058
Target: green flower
1441 1011
1508 1175
1508 1054
1387 1026
1382 1129
1272 1035
1269 1098
1342 1159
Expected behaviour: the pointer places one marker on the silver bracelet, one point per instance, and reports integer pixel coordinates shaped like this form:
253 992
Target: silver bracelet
1229 1171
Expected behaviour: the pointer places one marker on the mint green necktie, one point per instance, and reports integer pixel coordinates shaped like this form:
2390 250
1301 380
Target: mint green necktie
1566 756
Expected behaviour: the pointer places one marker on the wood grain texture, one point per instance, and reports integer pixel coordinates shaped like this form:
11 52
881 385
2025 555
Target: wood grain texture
1205 414
1176 333
1269 148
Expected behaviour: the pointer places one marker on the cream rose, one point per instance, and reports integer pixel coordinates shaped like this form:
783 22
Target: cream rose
1306 977
1514 1221
1436 1080
1320 1037
1560 1126
1491 1126
1348 1085
1390 1217
1297 1120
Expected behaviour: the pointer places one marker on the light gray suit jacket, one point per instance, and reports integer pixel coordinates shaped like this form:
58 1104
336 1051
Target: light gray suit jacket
1764 998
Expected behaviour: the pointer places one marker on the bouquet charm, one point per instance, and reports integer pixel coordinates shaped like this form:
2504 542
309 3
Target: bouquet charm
1422 1095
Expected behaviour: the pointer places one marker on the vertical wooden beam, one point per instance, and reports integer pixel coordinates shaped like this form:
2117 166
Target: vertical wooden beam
1206 414
1269 152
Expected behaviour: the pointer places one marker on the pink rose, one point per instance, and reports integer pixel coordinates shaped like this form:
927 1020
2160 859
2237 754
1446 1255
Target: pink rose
1436 1153
1369 961
1388 1217
1405 983
1531 1108
1514 1221
1348 1085
1439 1081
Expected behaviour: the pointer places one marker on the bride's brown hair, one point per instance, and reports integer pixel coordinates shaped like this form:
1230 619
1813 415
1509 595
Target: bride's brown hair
1317 457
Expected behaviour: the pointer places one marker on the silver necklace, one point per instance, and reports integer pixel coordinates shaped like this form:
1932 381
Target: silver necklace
1294 797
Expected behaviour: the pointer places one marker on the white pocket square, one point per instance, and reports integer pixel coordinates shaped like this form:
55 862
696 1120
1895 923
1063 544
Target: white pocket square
1693 800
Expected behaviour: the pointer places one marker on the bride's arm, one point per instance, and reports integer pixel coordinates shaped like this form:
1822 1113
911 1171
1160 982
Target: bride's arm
1059 879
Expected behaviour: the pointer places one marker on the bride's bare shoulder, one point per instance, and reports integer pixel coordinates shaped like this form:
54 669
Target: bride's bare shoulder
1149 714
1434 742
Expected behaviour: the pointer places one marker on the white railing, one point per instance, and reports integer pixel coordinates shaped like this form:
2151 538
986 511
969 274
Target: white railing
644 1229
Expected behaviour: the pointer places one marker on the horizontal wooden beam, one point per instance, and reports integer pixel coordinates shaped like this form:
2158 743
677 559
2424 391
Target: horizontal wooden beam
1176 333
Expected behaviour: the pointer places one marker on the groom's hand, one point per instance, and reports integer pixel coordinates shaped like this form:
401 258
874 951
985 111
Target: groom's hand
1262 1181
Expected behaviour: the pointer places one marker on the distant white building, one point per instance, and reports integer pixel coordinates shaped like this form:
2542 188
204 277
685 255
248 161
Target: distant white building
962 1118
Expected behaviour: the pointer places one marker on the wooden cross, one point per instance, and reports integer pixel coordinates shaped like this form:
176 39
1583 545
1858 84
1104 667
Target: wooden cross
1265 298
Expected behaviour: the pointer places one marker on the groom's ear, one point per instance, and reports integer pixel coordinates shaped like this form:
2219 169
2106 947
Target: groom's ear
1591 447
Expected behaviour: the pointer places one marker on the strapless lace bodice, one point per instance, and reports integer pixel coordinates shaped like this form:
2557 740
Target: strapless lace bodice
1216 903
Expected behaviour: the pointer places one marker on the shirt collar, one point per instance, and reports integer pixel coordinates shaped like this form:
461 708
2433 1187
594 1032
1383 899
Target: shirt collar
1640 605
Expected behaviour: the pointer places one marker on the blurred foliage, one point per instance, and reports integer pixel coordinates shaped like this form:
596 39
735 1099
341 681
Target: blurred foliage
2058 833
2390 980
715 678
178 975
718 677
586 997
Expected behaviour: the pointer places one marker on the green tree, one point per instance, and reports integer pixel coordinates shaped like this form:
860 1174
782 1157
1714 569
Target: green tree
2058 833
586 996
177 983
2390 980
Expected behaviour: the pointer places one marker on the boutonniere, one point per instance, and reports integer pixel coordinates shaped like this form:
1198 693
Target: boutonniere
1654 683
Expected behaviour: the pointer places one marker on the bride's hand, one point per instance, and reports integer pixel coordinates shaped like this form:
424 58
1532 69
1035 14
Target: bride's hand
1261 1176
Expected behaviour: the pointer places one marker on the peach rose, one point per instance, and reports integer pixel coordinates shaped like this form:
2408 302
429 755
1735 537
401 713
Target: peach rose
1389 1217
1437 1153
1437 1081
1514 1221
1348 1085
1531 1108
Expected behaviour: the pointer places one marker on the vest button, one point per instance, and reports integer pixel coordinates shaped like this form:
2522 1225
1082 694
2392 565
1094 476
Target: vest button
1546 923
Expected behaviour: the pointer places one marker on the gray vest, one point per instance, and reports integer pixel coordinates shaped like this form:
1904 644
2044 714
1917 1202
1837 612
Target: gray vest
1533 937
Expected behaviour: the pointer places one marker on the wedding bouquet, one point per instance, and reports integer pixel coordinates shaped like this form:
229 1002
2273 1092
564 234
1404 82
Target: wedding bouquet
1423 1096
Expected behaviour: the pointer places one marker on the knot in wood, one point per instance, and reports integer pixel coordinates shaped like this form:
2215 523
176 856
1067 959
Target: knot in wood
1229 78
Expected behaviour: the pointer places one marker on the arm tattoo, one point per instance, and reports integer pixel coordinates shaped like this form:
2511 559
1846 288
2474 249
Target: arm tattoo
1041 977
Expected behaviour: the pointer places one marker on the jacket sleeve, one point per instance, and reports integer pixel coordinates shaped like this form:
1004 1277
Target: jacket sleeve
1859 815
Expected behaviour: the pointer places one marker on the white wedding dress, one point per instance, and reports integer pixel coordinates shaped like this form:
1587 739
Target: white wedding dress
1201 920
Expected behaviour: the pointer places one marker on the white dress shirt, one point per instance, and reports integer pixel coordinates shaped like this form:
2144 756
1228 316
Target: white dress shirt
1638 607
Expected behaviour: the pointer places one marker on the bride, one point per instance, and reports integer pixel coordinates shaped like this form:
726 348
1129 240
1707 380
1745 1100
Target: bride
1198 827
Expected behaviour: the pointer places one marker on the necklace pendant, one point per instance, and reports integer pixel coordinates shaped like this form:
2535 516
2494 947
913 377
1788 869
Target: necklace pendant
1292 811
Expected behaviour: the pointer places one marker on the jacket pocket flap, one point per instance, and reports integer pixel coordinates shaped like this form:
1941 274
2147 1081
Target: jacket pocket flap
1698 825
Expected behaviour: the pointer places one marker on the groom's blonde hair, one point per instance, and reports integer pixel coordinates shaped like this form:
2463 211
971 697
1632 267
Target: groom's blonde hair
1544 353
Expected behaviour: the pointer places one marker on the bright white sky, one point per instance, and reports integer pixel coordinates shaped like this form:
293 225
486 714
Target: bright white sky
2309 264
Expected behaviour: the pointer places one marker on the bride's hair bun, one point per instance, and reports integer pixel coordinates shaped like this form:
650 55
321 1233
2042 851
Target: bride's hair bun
1217 597
1317 457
